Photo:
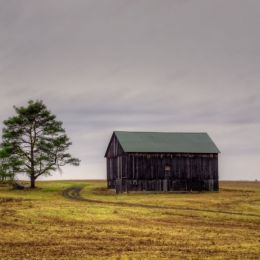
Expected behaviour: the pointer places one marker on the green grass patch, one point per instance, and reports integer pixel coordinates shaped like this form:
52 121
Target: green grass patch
42 224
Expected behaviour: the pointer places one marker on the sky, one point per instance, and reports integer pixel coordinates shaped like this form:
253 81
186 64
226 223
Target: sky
137 65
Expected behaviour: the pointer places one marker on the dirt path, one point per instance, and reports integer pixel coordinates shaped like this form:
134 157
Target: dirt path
74 194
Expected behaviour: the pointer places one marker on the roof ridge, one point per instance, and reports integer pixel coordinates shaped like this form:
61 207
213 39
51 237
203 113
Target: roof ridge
141 141
160 132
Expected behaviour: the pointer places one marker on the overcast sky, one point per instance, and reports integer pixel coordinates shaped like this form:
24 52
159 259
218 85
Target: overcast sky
151 65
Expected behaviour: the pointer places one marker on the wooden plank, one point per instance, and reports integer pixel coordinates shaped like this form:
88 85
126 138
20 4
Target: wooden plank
147 171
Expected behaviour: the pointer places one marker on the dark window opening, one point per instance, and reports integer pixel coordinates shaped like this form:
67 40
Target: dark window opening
167 168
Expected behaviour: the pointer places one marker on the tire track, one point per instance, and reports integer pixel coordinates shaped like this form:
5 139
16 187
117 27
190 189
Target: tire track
73 193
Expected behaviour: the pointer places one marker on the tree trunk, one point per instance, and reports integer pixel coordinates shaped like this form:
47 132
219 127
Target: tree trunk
32 182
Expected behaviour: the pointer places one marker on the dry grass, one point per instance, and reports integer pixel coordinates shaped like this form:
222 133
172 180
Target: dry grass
42 224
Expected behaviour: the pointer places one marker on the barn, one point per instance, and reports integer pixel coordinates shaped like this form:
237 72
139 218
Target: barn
163 162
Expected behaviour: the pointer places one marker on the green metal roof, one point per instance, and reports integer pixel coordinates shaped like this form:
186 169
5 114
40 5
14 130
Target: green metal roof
149 142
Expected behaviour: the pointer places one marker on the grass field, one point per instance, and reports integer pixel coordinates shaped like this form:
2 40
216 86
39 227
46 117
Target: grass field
89 222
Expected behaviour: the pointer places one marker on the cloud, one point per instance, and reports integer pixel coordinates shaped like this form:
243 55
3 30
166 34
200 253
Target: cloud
137 65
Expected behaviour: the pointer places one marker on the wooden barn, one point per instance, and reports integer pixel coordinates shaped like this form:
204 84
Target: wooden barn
156 161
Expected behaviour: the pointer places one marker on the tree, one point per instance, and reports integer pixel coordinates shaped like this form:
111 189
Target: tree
34 142
9 164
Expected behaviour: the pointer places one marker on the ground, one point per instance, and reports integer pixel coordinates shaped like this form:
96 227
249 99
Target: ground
83 220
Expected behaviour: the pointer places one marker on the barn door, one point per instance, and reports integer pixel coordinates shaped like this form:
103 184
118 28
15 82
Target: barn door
167 175
165 185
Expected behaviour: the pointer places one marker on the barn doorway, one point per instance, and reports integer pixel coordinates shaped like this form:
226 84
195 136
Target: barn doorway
167 175
165 185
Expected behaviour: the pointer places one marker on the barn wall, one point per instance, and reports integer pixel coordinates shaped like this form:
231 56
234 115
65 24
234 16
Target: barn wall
147 172
116 162
114 148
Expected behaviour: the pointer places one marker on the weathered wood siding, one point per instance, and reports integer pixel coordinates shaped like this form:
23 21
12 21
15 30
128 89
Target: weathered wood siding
116 162
170 172
160 171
